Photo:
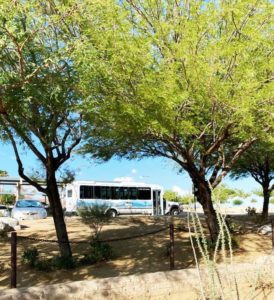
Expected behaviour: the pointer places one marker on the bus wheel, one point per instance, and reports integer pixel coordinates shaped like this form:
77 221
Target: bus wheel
174 212
112 213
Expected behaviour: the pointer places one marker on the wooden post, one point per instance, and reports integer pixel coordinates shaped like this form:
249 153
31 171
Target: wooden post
272 223
171 235
13 259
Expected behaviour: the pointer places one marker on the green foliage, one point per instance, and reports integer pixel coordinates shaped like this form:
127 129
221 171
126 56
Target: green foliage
39 105
98 252
166 82
251 211
223 193
61 262
271 200
170 195
3 173
7 199
95 217
253 201
237 202
260 193
30 256
43 264
186 199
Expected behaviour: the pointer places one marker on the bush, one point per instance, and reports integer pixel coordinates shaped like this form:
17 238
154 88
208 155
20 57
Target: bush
98 252
7 199
43 264
271 200
251 211
237 202
253 201
95 217
30 256
60 262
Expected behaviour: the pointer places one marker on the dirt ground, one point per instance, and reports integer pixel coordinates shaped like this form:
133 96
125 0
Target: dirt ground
148 253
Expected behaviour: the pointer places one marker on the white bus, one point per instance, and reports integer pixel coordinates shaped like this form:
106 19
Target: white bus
120 197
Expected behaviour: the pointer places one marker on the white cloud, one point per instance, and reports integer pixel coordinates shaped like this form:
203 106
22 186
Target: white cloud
125 179
180 191
133 171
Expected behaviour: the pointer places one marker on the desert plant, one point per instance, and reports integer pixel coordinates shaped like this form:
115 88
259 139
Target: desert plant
251 211
237 202
43 264
95 217
60 262
99 251
7 199
30 256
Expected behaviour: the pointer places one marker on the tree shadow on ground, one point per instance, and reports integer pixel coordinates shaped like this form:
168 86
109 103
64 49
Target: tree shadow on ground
149 253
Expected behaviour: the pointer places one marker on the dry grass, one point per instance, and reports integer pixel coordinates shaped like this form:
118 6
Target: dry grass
139 255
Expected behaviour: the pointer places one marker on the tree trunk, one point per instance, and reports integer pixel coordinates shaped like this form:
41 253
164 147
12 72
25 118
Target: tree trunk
203 194
58 216
266 192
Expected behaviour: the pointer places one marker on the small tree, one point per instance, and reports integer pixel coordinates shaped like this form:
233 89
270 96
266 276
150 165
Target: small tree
170 195
258 162
95 216
190 81
38 98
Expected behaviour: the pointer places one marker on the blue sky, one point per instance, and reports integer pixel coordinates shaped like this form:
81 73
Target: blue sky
157 171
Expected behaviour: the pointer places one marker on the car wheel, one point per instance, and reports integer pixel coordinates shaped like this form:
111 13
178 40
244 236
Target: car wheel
112 213
174 212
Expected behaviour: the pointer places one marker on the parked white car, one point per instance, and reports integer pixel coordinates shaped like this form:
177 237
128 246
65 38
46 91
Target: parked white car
28 210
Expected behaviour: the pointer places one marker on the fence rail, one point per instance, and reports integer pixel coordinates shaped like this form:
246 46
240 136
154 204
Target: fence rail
14 240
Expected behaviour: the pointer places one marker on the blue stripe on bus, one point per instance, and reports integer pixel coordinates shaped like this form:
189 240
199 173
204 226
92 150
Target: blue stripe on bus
116 203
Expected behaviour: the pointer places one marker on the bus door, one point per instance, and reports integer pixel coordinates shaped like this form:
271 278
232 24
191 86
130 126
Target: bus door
157 202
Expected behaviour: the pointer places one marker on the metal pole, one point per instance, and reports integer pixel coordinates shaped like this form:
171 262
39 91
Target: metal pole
13 259
171 235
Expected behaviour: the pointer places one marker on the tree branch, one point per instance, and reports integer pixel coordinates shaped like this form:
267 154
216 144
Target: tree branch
20 164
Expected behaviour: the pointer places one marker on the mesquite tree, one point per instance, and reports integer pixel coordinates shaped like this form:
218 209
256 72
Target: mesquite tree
190 81
258 162
38 99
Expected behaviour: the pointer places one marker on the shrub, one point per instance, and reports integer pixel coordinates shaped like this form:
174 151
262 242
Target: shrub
30 256
98 252
271 200
237 202
95 217
60 262
251 211
7 199
43 264
253 201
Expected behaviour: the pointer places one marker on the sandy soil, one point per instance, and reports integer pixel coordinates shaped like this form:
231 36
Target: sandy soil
139 255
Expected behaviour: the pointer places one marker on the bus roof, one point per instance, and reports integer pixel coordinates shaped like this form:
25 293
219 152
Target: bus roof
115 183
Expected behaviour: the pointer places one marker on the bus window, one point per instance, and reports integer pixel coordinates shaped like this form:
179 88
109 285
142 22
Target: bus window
97 192
105 192
116 193
125 193
86 192
133 193
144 193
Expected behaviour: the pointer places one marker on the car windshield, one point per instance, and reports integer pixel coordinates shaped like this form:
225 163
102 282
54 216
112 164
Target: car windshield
28 203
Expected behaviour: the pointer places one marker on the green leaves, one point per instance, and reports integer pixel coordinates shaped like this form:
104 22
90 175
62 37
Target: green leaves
176 80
